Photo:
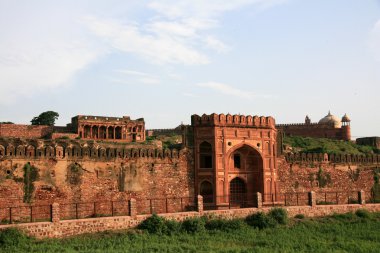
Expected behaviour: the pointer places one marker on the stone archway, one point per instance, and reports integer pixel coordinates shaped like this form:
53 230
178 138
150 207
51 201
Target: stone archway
245 166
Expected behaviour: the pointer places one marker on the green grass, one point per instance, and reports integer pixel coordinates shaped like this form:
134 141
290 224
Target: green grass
337 233
322 145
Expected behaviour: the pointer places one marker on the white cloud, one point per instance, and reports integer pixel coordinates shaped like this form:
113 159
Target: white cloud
227 89
216 44
375 40
200 8
39 51
157 49
136 76
177 33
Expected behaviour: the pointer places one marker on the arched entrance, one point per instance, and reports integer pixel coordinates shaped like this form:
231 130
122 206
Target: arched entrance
207 192
246 167
238 192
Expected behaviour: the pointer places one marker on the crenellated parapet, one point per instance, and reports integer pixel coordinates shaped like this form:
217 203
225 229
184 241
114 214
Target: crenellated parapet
18 149
332 158
233 120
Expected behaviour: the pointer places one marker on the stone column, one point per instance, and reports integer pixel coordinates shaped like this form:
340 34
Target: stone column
258 200
132 207
55 216
312 199
106 132
361 197
200 204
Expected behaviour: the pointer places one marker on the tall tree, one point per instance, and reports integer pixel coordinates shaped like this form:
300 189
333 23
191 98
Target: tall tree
45 118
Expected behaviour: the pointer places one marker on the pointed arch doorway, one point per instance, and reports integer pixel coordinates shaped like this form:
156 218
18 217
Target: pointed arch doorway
238 192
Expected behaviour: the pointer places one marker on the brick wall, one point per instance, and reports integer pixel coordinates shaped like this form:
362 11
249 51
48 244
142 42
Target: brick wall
69 179
325 176
25 131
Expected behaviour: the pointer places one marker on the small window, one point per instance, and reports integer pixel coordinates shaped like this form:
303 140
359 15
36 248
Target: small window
237 161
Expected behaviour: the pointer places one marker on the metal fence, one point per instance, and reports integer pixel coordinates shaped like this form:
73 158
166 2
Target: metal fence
23 214
337 198
69 211
166 205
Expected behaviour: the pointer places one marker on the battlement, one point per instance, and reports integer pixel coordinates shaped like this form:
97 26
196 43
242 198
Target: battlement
332 158
233 120
20 149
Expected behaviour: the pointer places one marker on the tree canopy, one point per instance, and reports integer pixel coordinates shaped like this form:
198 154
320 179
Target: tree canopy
45 118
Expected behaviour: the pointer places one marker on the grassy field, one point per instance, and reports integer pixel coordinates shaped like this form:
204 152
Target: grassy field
322 145
338 233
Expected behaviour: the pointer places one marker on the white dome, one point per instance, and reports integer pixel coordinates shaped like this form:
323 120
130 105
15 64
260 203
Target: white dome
330 119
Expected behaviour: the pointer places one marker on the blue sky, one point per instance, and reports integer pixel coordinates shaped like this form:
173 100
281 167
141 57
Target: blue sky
165 60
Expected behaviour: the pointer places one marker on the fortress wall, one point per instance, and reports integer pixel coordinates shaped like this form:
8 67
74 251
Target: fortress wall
70 179
326 176
25 131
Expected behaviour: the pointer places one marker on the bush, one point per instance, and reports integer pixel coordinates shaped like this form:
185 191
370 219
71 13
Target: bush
12 237
261 220
280 215
193 225
224 225
300 216
154 225
363 213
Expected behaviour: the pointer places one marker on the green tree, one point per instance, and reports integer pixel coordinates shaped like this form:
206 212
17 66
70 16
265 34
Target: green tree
45 118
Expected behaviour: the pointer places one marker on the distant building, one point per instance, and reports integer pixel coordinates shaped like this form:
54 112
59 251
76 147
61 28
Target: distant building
369 141
329 126
109 128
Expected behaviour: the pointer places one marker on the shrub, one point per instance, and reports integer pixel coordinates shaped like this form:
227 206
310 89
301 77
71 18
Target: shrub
172 227
224 225
280 215
363 213
193 225
154 225
261 220
12 237
300 216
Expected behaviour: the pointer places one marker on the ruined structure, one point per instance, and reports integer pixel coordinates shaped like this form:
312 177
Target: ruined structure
109 128
82 127
329 126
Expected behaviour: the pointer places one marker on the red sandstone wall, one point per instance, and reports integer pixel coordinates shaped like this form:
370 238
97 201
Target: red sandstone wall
99 180
25 131
303 176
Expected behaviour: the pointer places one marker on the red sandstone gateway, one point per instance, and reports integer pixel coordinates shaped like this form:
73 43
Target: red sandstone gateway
234 157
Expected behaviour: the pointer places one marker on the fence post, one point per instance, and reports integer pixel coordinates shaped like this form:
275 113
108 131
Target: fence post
361 197
132 207
312 199
200 204
55 214
258 200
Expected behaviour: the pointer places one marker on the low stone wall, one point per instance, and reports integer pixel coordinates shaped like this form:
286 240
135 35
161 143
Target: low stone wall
59 229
